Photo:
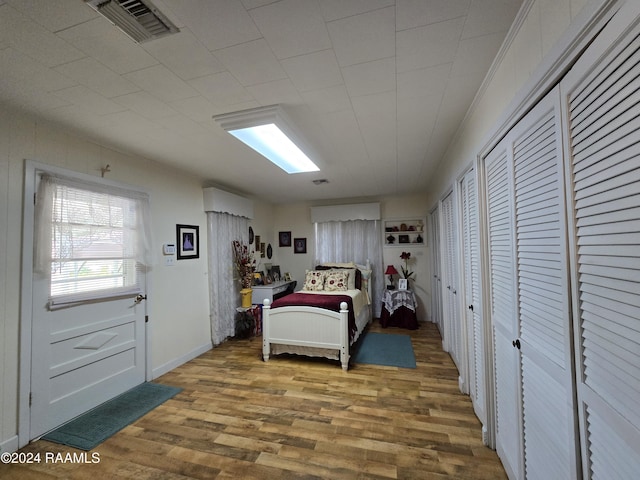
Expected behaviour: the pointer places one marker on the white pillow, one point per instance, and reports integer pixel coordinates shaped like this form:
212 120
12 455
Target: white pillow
336 280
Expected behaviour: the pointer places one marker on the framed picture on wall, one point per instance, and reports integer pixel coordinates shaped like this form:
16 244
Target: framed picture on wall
188 241
299 245
284 239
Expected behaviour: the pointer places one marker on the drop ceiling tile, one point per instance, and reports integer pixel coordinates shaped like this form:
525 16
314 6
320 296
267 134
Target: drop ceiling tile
91 73
221 89
181 126
32 39
100 39
335 9
418 13
428 46
424 81
184 55
278 91
370 77
343 135
218 24
161 82
490 16
365 37
198 109
327 100
20 71
89 100
476 54
251 63
249 4
314 71
292 27
376 116
55 15
145 104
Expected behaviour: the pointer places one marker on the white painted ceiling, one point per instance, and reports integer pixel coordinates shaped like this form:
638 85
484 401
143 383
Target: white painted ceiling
377 87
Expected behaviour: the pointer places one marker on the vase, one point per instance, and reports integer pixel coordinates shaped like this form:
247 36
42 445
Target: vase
246 297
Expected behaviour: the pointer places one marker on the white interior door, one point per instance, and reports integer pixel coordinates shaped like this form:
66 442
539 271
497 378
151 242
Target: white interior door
503 309
472 303
436 283
82 354
602 99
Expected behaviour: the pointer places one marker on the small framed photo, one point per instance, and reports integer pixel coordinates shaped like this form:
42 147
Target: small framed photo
267 279
287 277
258 278
403 238
403 284
299 245
275 273
188 241
284 239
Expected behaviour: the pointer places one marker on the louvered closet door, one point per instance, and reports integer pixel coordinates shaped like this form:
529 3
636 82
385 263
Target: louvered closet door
436 290
497 169
473 312
549 430
453 342
602 95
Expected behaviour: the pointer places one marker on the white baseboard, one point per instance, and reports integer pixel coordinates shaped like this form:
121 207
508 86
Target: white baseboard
9 445
167 367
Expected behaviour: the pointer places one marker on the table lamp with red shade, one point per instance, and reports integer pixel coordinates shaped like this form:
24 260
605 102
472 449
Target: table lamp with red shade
391 271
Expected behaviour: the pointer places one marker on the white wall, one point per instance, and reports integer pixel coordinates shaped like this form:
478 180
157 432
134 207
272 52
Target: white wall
545 23
178 295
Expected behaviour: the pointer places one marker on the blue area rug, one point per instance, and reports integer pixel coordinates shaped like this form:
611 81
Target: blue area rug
94 427
385 349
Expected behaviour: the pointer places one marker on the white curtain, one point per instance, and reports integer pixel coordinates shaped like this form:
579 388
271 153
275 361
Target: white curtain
224 287
353 240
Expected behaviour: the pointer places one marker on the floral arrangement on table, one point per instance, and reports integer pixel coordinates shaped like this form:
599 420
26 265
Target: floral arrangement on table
245 263
406 256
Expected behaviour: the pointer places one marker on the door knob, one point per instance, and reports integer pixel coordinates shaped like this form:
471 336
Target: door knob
140 297
516 343
471 307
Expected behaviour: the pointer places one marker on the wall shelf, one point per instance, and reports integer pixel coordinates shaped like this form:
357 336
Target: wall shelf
404 232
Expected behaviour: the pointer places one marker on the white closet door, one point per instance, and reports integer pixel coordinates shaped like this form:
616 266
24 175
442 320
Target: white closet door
549 430
473 312
498 172
602 97
436 284
453 341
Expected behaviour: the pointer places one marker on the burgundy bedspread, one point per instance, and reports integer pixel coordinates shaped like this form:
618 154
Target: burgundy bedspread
329 302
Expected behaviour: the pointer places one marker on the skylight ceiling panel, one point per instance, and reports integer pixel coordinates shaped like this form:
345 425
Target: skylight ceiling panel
292 27
33 40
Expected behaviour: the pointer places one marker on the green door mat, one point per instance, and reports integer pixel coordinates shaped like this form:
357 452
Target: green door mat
385 349
94 427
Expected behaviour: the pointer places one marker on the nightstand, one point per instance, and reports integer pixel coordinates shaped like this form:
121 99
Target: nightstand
399 309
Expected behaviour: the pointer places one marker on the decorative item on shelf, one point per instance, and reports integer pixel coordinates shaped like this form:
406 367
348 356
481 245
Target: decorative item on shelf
269 251
419 239
406 256
391 239
391 271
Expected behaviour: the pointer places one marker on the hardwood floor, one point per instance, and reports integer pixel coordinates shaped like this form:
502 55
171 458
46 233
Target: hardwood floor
294 418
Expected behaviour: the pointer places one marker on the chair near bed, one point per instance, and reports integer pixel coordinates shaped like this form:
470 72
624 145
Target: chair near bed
324 318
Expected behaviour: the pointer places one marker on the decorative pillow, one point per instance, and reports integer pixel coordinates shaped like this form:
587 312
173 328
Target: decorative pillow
336 280
354 281
314 280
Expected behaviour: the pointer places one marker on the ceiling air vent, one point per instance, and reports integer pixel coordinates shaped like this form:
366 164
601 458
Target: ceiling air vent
140 20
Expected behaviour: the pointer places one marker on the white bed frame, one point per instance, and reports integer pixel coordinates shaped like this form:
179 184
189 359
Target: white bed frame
311 331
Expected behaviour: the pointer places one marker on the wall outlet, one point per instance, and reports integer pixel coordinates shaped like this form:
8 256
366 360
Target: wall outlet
169 260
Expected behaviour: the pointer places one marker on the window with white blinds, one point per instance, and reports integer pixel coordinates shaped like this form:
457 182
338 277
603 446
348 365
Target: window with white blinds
91 240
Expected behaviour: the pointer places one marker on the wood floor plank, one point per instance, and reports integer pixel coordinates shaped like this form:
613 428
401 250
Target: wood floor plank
295 418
